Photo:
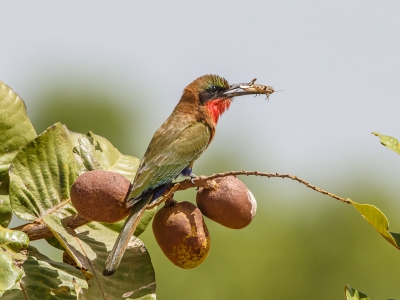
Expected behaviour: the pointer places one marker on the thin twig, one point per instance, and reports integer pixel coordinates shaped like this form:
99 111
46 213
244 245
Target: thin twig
202 181
39 230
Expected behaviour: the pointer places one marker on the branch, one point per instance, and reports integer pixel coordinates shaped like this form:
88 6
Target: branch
201 181
39 230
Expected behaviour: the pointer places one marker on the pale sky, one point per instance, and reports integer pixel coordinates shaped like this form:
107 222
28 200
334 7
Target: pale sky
337 62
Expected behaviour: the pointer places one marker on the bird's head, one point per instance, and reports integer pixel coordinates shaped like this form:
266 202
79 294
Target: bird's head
214 93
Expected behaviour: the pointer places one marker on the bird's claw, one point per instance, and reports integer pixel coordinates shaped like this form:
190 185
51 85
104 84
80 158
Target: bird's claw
192 177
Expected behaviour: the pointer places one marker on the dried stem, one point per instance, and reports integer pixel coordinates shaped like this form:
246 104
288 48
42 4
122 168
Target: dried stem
39 230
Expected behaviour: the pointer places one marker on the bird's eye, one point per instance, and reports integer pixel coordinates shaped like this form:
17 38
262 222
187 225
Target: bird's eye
214 89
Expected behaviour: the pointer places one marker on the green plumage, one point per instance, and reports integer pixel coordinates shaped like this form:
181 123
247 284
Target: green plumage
170 151
209 80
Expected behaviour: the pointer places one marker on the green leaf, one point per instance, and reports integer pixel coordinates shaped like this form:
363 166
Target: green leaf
47 279
16 131
5 205
12 255
55 243
353 294
62 233
135 277
145 220
96 152
41 176
89 245
388 141
84 152
379 221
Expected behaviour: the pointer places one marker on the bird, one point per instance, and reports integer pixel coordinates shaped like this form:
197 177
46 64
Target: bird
174 148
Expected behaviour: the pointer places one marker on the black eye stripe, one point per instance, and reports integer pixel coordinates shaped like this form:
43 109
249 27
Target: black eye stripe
211 92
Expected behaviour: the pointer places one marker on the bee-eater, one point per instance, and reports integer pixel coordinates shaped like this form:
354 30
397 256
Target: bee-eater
175 146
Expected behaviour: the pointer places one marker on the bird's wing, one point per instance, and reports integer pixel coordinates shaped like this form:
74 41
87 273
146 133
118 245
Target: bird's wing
170 151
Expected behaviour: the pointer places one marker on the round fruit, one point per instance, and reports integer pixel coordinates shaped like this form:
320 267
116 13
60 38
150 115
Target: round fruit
228 202
100 196
182 235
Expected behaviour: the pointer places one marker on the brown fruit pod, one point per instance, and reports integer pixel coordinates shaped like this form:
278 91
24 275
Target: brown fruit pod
100 196
182 235
228 202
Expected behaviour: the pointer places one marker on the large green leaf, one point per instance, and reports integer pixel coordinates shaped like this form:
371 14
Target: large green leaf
47 279
353 294
89 245
12 255
379 221
16 131
135 277
41 176
389 141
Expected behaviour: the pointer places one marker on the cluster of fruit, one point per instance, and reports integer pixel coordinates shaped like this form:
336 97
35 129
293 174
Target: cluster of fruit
178 227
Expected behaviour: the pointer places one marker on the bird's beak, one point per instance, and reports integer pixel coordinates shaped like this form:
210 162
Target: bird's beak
242 89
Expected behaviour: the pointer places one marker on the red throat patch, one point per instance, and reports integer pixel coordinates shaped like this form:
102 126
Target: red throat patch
217 107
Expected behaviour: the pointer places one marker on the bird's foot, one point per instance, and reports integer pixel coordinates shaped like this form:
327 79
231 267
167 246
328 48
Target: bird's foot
192 177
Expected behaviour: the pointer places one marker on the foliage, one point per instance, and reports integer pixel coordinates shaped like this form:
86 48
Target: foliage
41 172
15 131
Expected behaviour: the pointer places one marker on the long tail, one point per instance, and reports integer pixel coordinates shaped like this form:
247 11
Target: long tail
115 256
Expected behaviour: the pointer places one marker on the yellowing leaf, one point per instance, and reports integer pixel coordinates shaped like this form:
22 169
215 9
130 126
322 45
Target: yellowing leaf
378 220
353 294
